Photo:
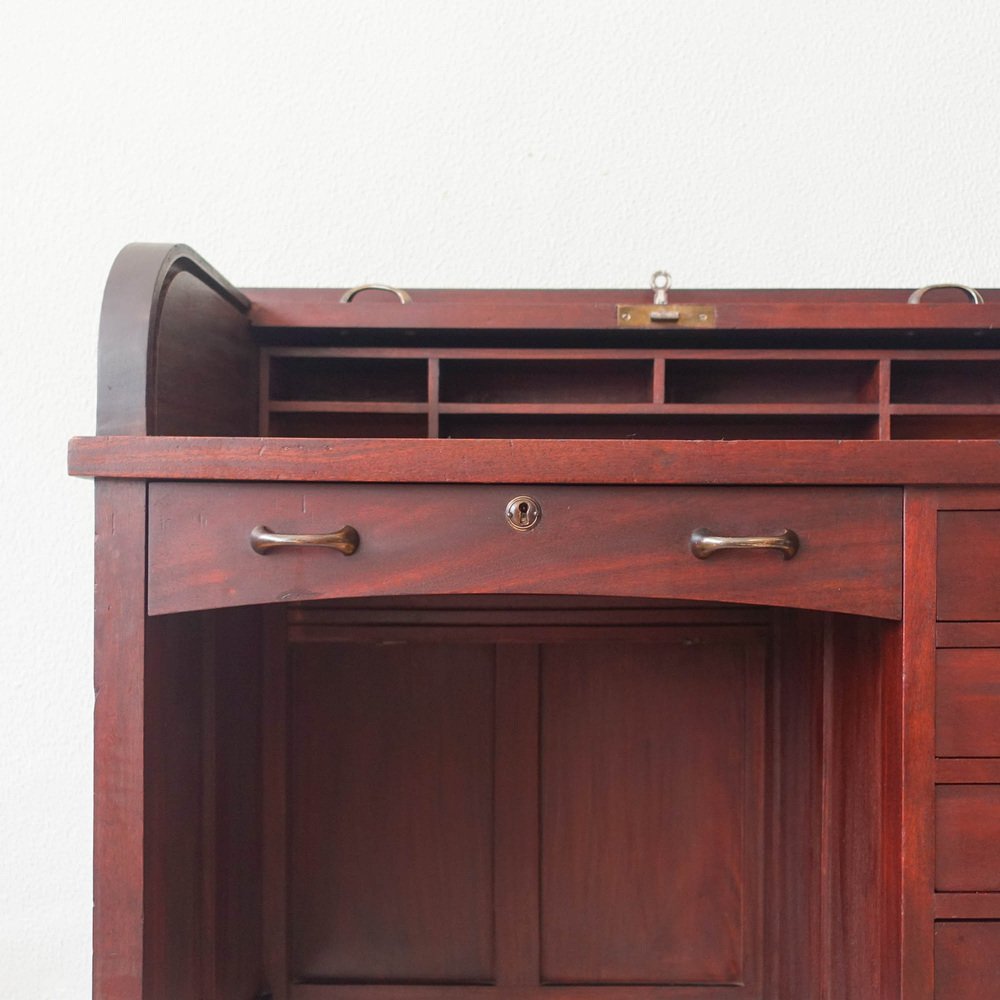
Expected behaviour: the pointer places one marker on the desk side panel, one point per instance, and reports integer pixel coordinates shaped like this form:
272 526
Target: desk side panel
175 354
119 649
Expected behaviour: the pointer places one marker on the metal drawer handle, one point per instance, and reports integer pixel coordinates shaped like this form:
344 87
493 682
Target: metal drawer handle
400 293
704 543
264 540
973 293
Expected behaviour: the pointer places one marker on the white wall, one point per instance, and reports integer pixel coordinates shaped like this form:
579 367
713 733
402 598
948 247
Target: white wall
508 143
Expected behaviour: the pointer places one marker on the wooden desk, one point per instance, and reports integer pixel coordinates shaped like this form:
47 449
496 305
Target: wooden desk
582 756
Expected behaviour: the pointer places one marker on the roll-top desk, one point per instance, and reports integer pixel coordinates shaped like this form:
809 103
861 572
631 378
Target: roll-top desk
458 645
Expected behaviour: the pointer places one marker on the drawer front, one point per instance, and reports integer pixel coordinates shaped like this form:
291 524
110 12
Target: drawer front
967 960
589 540
969 565
968 838
968 703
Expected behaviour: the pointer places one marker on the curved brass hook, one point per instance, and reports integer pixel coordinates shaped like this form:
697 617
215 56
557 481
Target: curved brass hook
400 293
973 293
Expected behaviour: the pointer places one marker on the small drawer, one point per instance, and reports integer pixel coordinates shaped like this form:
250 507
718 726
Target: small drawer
967 960
589 540
968 838
968 577
968 703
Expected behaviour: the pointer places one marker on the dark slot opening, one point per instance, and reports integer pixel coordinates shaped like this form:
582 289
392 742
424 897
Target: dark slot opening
402 380
946 381
546 381
674 427
945 427
348 425
771 381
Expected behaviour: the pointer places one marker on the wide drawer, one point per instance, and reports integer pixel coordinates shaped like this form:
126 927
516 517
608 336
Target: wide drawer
594 540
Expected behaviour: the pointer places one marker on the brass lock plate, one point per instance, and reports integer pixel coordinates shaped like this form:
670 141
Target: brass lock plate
523 513
651 317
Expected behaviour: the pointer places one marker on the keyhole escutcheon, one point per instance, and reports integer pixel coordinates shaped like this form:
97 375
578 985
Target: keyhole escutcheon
523 513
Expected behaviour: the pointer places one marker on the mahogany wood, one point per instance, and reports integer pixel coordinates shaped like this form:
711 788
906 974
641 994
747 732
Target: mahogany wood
120 897
968 838
174 356
968 634
535 778
274 786
967 906
942 395
796 879
590 540
612 658
489 310
651 790
612 462
312 991
612 409
916 760
518 833
175 933
969 552
967 955
530 610
968 703
233 803
884 395
967 771
610 353
481 633
391 878
861 682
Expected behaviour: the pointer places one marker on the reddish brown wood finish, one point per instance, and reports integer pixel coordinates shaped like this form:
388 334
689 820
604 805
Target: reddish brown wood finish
202 806
590 540
967 771
119 679
969 552
231 756
861 778
916 761
274 786
804 820
641 392
968 838
796 880
967 906
174 352
174 929
842 812
516 809
968 634
968 960
612 462
652 785
391 763
968 703
594 310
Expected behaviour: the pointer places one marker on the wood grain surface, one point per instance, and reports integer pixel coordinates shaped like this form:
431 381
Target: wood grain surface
590 541
825 309
968 838
512 461
968 703
967 955
968 555
652 778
